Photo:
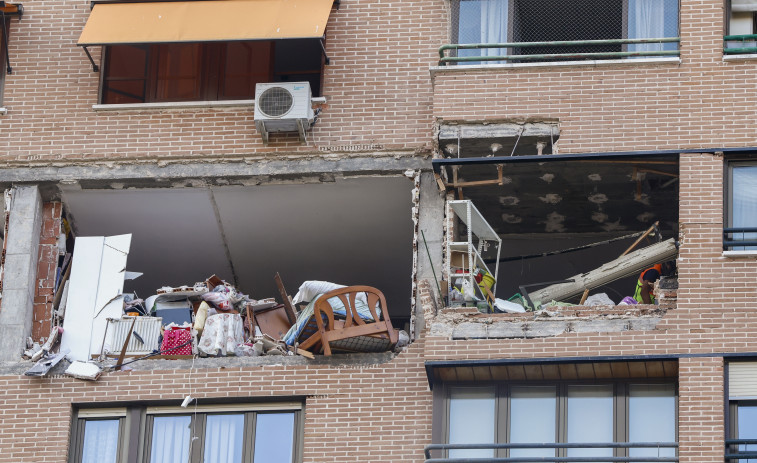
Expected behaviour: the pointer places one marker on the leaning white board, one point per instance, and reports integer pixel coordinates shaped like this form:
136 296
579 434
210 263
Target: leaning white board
97 281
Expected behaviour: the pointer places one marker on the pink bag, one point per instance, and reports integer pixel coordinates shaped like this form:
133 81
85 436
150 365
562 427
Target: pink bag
176 337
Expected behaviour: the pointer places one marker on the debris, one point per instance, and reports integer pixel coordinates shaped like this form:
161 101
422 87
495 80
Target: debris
55 334
42 367
83 370
599 299
502 305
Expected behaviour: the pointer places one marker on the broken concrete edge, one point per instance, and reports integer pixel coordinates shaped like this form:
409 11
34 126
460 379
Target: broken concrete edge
557 312
214 363
281 164
467 323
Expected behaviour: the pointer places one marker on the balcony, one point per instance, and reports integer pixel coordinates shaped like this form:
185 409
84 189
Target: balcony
740 44
517 31
526 51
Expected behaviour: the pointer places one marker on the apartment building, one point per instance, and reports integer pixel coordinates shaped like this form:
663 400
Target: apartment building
400 145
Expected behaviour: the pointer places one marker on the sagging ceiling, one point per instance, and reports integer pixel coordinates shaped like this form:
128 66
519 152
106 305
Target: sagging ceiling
352 231
577 195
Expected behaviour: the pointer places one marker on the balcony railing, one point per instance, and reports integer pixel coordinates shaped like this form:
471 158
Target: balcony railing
740 44
734 453
737 237
443 448
444 57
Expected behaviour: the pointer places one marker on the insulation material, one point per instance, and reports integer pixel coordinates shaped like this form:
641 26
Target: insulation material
83 370
97 280
630 264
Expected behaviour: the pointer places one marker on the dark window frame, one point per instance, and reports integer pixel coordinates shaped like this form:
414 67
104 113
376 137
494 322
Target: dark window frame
136 424
728 190
441 403
212 74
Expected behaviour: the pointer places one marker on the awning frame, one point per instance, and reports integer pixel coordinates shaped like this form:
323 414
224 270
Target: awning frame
96 67
8 10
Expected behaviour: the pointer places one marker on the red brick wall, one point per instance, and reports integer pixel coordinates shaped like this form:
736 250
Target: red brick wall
370 413
378 92
46 268
701 421
701 102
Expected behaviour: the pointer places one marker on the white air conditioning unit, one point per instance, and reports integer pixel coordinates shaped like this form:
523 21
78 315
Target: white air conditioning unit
283 107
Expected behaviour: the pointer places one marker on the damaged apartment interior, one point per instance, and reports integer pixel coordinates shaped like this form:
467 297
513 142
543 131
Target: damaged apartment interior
171 270
546 232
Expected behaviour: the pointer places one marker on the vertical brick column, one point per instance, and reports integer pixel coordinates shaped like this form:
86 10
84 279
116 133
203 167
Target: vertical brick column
701 425
20 271
46 267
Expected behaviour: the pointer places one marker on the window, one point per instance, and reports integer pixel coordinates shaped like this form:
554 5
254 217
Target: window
561 419
209 434
205 71
741 231
522 21
741 414
741 27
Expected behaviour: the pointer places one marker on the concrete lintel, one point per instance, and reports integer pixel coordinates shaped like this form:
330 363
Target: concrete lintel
364 165
498 130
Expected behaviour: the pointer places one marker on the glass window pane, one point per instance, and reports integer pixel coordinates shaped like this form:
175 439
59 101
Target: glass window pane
651 418
274 437
590 419
170 439
471 420
744 202
533 419
224 438
747 426
100 441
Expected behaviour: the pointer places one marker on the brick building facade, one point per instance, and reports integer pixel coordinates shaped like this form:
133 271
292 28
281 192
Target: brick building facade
557 152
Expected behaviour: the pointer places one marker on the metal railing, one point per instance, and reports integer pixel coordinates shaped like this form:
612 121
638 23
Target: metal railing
730 238
740 454
443 448
748 44
444 58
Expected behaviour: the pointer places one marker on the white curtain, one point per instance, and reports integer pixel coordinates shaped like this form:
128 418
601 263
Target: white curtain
646 20
170 439
493 26
224 439
100 441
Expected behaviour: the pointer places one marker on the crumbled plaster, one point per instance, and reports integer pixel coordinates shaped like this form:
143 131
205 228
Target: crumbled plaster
466 323
598 198
548 177
554 223
613 226
599 217
416 198
511 218
595 177
551 198
508 200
